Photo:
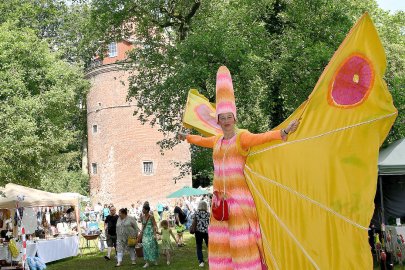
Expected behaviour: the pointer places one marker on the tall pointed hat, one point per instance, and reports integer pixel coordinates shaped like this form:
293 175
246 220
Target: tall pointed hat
225 95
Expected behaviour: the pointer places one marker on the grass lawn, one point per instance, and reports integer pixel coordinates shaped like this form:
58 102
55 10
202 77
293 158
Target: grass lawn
182 258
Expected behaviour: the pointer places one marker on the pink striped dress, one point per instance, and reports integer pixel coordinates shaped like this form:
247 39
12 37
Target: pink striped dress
237 242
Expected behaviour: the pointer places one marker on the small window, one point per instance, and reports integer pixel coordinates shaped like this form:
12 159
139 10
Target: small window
147 167
112 49
95 128
94 168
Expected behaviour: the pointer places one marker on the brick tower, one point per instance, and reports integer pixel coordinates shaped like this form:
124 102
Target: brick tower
124 162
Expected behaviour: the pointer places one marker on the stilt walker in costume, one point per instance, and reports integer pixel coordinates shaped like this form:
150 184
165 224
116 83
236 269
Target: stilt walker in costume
235 243
313 194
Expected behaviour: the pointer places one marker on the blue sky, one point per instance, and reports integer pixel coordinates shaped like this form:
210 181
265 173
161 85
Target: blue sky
392 5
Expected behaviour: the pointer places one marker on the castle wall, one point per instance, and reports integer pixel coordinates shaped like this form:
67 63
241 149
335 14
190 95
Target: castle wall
121 144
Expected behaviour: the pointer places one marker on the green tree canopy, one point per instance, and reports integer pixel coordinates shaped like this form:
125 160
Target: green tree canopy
275 49
63 24
41 125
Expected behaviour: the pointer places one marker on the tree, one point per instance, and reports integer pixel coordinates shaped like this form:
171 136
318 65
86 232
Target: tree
276 50
44 17
63 24
313 30
40 116
391 30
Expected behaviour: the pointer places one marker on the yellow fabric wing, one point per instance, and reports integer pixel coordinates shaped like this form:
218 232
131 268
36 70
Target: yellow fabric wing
200 114
314 194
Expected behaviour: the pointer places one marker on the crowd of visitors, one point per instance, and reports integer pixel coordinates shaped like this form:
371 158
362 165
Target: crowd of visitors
144 225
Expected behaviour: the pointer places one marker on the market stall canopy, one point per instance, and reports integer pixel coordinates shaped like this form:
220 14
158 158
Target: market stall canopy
187 191
32 197
75 195
391 160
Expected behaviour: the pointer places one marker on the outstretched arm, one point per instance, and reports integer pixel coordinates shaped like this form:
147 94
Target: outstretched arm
207 142
248 139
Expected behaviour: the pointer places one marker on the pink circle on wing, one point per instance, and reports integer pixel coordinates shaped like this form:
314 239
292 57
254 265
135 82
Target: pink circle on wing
204 113
352 81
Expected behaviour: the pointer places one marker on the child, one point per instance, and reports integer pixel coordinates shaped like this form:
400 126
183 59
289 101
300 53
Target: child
166 242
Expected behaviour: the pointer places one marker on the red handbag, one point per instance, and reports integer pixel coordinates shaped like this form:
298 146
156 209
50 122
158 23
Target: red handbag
220 207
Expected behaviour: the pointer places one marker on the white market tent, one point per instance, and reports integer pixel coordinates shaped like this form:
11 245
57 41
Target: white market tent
35 198
29 197
75 195
32 197
392 159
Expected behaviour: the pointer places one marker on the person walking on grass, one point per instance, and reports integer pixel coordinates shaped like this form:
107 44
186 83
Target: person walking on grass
167 246
127 227
110 225
148 235
201 221
180 220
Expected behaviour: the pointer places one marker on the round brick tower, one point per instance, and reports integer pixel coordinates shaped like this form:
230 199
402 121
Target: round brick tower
124 162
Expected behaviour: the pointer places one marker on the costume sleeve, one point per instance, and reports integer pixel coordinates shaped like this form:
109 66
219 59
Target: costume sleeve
201 141
248 139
